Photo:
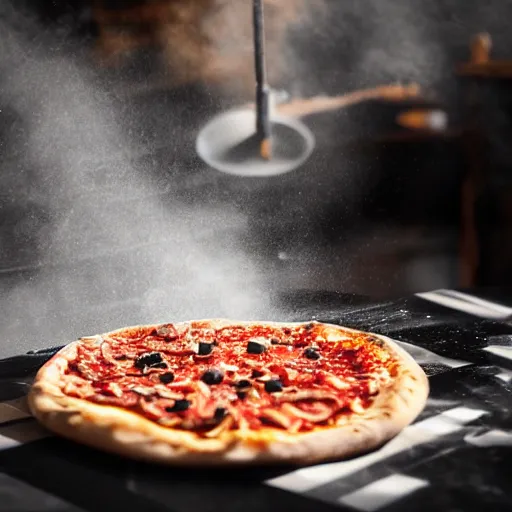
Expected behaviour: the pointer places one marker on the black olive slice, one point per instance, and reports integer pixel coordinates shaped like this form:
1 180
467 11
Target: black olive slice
150 360
253 347
243 384
212 376
220 413
166 378
204 349
179 406
273 386
311 353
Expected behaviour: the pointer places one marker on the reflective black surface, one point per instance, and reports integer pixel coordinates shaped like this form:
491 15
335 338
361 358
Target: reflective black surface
456 454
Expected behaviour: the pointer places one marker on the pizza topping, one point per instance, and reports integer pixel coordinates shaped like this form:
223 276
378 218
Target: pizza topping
204 349
243 384
253 394
256 346
273 386
150 360
335 382
277 417
373 387
127 400
212 376
184 385
167 331
224 425
166 378
87 372
210 380
313 394
220 413
92 340
143 391
357 406
228 367
172 421
311 353
318 413
107 353
179 406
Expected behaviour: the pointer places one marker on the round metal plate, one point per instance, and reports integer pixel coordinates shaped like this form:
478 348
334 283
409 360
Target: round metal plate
228 143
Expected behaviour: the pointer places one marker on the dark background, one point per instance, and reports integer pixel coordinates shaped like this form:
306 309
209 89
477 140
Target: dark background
107 216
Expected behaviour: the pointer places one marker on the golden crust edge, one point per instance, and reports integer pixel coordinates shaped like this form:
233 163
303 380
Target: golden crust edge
128 434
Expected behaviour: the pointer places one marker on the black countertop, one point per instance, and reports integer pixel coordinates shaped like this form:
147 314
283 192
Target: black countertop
455 456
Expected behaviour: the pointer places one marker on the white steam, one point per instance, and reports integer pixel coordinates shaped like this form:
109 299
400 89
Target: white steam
114 248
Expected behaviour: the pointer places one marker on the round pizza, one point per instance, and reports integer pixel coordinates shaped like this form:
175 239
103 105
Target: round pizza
229 392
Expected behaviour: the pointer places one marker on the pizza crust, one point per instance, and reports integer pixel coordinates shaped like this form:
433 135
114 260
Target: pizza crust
129 434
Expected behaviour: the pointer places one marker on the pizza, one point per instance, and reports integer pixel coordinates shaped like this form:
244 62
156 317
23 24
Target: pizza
223 392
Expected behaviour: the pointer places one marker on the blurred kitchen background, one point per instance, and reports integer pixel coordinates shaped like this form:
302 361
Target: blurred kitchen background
108 216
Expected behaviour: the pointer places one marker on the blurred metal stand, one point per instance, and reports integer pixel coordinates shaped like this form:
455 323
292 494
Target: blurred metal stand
254 142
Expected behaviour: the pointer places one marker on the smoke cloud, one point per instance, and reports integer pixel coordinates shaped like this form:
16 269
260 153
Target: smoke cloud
101 241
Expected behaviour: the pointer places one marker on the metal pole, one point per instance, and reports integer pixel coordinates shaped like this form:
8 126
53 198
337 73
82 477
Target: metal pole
262 89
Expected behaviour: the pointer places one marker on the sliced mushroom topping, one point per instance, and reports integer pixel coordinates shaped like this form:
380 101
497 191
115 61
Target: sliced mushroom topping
204 407
185 384
108 355
147 391
224 425
166 378
166 393
323 412
143 391
87 372
150 360
253 394
212 376
313 394
228 367
150 407
336 382
277 417
203 388
170 422
373 387
167 331
357 406
80 390
127 400
92 340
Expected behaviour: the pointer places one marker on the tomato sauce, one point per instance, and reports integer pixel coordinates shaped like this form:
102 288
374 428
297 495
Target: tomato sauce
242 372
